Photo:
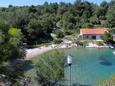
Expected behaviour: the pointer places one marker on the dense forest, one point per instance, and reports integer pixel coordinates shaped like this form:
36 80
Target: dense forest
34 25
38 22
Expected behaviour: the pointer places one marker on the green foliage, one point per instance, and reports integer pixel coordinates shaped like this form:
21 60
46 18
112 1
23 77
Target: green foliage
16 36
94 20
10 49
111 17
100 43
84 43
57 41
38 22
10 42
50 68
13 75
88 25
107 37
2 36
59 33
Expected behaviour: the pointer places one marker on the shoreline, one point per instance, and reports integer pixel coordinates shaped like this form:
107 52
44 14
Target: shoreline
30 53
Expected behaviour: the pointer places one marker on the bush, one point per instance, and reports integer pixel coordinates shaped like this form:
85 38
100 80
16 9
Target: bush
107 37
59 33
57 41
84 43
87 25
50 68
68 32
100 43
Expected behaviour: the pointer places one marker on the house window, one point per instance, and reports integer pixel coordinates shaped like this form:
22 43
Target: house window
93 37
87 36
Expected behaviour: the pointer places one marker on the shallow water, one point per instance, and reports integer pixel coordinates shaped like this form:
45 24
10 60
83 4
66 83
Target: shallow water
90 65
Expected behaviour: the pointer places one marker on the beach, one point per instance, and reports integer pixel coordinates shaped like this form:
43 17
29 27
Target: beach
30 53
36 51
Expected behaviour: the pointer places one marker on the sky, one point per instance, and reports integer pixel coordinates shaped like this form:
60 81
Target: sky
6 3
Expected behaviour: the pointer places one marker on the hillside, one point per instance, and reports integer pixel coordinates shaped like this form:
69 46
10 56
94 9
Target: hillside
38 22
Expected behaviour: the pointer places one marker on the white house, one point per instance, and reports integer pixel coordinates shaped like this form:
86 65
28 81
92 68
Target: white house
92 33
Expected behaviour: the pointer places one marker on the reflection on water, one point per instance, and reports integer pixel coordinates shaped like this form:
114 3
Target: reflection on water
77 84
106 63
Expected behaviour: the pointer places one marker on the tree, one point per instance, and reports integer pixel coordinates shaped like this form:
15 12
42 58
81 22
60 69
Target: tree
107 37
87 25
59 33
62 8
38 22
50 69
10 44
2 36
15 36
111 17
104 8
10 6
32 9
94 20
10 49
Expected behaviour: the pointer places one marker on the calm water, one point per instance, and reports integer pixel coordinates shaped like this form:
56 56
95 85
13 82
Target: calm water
90 65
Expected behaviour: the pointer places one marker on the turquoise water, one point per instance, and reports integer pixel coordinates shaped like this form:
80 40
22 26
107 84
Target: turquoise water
90 65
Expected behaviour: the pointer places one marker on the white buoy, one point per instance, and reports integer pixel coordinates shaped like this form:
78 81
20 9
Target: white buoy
69 60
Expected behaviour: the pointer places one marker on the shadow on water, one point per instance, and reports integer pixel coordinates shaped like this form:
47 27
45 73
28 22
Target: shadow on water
25 64
77 84
104 61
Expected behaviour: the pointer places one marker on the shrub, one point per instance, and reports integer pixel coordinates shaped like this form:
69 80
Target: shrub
100 43
57 41
88 25
107 37
59 33
50 68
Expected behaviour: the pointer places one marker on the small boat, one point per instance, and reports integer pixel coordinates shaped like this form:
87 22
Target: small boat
114 52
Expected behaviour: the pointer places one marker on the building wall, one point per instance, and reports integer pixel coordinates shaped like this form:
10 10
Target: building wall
94 37
113 36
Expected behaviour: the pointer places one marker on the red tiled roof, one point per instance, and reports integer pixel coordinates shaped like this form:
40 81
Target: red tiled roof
96 31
